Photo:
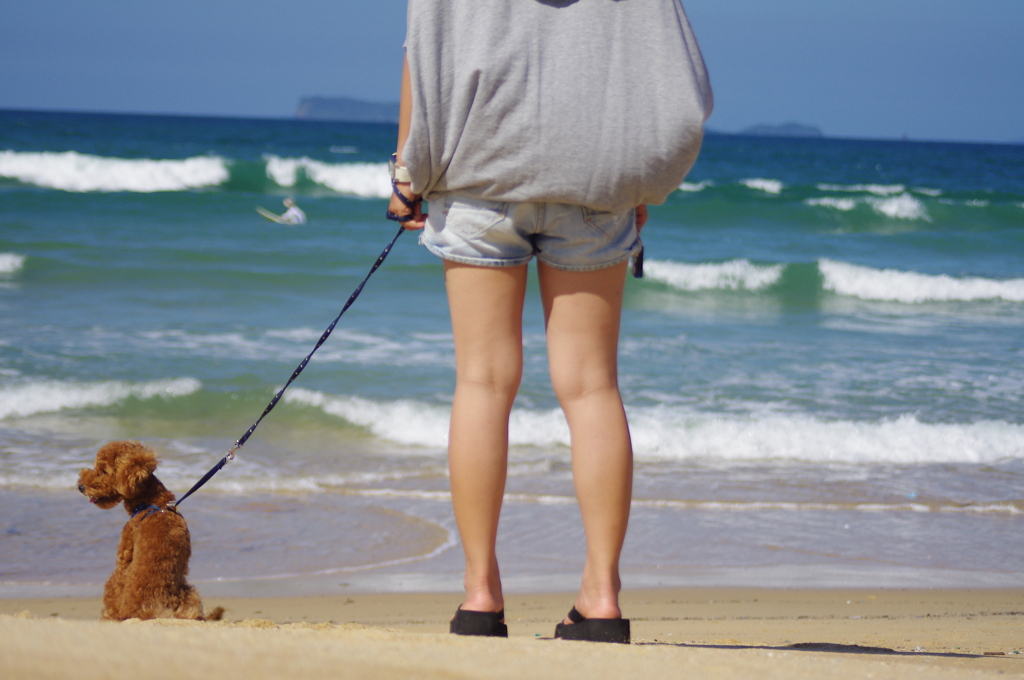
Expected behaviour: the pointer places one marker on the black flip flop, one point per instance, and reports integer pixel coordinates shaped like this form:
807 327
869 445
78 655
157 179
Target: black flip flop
593 630
488 624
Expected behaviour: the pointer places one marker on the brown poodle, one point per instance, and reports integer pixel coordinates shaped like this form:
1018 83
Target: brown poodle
152 558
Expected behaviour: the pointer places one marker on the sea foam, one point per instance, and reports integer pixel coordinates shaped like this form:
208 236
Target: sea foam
892 285
72 171
876 189
769 186
677 433
694 187
290 345
844 204
404 421
667 433
660 434
414 423
49 396
368 180
900 207
11 263
732 275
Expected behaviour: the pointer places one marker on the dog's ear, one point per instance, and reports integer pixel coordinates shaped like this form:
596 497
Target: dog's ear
134 466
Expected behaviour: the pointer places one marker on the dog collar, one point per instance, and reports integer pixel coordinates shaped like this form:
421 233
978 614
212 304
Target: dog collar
151 508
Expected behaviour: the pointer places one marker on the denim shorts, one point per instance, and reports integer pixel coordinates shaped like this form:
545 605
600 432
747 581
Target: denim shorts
494 234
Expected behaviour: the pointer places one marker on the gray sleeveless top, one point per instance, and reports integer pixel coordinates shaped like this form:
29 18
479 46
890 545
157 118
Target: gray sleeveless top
598 103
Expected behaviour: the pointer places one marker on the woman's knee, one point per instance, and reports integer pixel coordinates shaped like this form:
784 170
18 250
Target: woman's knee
573 386
497 380
498 370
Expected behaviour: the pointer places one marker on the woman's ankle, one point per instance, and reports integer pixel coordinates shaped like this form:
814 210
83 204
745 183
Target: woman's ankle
599 600
484 598
477 603
598 608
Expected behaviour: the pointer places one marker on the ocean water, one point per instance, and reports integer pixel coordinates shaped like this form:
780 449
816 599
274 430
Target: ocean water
823 365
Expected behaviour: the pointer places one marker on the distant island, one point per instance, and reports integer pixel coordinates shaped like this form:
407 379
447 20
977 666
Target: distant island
358 111
784 130
346 109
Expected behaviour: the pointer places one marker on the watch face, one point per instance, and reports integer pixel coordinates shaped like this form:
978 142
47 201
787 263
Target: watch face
398 172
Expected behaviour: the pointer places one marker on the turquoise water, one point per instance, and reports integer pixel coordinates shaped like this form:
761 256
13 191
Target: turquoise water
822 367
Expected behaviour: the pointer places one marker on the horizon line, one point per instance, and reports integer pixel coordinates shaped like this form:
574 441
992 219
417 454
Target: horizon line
297 119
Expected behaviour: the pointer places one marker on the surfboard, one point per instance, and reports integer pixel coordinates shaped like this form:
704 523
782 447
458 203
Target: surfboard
269 215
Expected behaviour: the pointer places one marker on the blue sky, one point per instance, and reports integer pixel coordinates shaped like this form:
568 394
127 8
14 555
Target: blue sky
931 69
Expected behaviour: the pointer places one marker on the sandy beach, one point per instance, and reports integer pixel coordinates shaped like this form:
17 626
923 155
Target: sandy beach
678 632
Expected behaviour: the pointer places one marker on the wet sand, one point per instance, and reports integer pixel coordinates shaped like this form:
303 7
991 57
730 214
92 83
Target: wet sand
677 632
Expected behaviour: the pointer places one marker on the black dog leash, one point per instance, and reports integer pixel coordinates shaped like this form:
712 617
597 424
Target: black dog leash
277 397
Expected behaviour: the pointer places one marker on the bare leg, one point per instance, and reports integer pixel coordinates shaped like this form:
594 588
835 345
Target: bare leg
582 311
486 305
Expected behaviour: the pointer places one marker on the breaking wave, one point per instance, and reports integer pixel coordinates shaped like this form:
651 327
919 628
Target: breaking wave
50 396
73 171
892 285
695 186
77 172
899 207
877 189
11 263
674 433
769 186
369 180
840 278
732 275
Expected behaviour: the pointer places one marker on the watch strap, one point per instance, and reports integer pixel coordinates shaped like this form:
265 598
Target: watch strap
399 173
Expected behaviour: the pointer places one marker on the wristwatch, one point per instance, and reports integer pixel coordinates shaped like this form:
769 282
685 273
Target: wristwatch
399 173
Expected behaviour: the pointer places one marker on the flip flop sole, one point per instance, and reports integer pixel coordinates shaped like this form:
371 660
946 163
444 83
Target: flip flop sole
486 624
595 630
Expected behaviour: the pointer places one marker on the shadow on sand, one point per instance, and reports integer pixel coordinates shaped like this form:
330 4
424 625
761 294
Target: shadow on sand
828 647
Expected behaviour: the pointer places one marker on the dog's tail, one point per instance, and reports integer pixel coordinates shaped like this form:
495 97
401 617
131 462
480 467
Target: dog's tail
215 614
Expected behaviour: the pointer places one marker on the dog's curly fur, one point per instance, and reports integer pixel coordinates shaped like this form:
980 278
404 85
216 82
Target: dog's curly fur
152 558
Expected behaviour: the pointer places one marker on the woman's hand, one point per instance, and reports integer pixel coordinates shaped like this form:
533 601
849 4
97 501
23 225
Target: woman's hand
641 218
396 206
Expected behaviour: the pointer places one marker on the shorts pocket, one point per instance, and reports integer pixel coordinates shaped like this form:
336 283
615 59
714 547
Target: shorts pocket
608 224
472 216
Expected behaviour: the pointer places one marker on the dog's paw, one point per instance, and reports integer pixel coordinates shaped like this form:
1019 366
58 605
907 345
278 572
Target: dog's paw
215 614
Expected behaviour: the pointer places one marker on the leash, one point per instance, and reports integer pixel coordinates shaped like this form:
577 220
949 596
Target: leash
240 442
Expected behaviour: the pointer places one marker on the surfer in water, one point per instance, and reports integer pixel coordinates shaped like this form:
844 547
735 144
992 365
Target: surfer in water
293 214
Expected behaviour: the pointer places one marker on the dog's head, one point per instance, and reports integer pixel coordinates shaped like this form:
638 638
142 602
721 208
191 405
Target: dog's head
121 471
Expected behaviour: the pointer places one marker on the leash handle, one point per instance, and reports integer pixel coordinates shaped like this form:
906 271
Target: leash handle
295 374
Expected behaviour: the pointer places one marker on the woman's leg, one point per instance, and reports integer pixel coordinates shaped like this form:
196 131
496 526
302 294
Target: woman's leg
582 311
486 305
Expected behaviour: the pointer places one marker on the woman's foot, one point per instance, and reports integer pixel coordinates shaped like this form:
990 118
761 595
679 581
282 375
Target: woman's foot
578 627
487 624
